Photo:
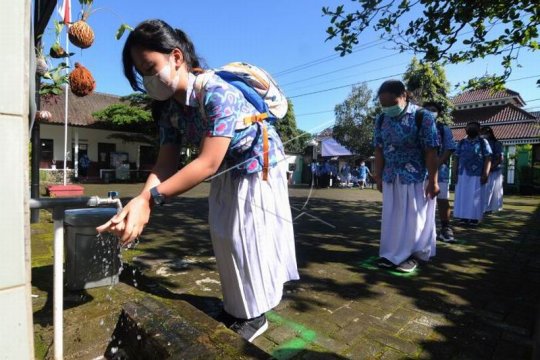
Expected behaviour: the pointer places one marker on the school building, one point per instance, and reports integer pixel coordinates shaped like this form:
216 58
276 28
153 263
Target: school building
125 153
115 154
517 129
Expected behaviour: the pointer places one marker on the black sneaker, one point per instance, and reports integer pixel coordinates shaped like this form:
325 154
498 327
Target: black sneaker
447 235
408 265
226 319
474 222
385 263
250 329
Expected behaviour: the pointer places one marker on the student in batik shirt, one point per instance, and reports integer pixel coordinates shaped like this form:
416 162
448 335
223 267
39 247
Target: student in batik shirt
448 146
406 173
494 187
474 162
250 217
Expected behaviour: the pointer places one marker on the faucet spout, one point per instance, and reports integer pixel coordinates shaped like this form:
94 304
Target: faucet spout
112 199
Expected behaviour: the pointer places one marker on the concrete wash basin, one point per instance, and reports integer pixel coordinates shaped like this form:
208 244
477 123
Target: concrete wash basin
152 329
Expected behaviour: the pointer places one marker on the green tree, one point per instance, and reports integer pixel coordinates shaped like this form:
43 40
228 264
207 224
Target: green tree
131 114
294 139
354 121
427 81
443 30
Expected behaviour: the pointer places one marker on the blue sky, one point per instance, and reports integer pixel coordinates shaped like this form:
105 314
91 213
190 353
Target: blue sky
276 35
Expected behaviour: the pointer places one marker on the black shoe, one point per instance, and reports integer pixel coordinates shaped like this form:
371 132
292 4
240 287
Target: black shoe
385 263
447 235
474 222
408 265
227 319
250 329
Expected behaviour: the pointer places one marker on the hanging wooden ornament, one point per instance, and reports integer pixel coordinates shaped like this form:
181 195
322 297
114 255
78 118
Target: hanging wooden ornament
81 81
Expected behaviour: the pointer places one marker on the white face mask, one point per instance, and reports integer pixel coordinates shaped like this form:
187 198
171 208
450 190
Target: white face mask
160 86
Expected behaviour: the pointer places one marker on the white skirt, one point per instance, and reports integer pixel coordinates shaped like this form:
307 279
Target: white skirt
469 198
253 239
494 192
408 222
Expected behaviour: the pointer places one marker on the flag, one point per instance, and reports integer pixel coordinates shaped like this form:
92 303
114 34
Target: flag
65 11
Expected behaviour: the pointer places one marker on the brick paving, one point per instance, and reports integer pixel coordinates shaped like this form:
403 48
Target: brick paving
475 300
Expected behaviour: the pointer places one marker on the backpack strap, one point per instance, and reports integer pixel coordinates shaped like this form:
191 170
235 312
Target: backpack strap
419 117
252 97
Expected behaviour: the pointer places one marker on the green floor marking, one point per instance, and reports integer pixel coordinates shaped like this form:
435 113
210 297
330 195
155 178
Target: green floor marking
371 264
291 347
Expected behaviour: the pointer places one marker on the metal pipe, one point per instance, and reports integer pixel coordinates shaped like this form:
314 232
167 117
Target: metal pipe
58 293
51 203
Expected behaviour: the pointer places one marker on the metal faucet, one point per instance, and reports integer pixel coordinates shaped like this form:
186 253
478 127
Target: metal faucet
112 198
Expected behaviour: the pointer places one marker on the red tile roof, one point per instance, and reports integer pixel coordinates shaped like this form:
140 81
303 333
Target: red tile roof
492 114
484 94
515 131
80 108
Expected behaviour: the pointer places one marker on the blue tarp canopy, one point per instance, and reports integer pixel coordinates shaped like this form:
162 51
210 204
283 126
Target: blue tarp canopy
330 147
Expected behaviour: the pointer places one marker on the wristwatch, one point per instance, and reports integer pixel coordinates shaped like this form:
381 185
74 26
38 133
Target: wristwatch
157 197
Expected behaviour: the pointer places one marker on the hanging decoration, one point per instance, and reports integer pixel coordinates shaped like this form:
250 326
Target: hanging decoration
80 33
81 81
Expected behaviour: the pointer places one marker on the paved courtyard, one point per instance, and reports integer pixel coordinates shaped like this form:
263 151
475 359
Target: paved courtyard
476 300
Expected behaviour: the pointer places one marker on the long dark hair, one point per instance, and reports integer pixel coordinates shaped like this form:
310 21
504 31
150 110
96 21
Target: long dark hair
156 35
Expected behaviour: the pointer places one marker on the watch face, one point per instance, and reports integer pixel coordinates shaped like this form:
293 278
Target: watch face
158 198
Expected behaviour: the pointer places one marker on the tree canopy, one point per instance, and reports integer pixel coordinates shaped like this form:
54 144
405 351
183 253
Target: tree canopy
293 139
354 121
427 82
443 30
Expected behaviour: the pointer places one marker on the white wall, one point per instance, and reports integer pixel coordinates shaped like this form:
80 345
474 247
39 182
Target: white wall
16 331
86 136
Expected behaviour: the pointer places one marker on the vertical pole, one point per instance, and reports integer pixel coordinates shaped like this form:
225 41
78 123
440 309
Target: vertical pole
76 153
58 287
66 114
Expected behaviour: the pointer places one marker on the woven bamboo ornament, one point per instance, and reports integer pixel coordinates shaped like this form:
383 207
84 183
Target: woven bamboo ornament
81 81
81 34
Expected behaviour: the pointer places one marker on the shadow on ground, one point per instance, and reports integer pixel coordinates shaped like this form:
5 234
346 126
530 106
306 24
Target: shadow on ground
476 300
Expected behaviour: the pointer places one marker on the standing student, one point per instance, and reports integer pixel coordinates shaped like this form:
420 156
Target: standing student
345 175
315 174
363 172
474 162
448 146
406 173
494 187
250 218
84 164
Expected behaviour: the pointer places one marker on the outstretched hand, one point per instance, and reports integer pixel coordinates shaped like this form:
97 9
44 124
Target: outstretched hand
130 223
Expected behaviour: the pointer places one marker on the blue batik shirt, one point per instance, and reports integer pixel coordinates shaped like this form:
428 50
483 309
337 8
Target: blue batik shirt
226 108
447 144
497 148
403 145
471 155
363 170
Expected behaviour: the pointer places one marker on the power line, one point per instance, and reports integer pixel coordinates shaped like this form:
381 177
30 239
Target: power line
349 76
315 113
337 70
385 77
329 111
325 59
357 48
344 86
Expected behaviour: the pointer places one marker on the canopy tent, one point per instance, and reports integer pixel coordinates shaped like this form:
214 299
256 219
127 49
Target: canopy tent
330 147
